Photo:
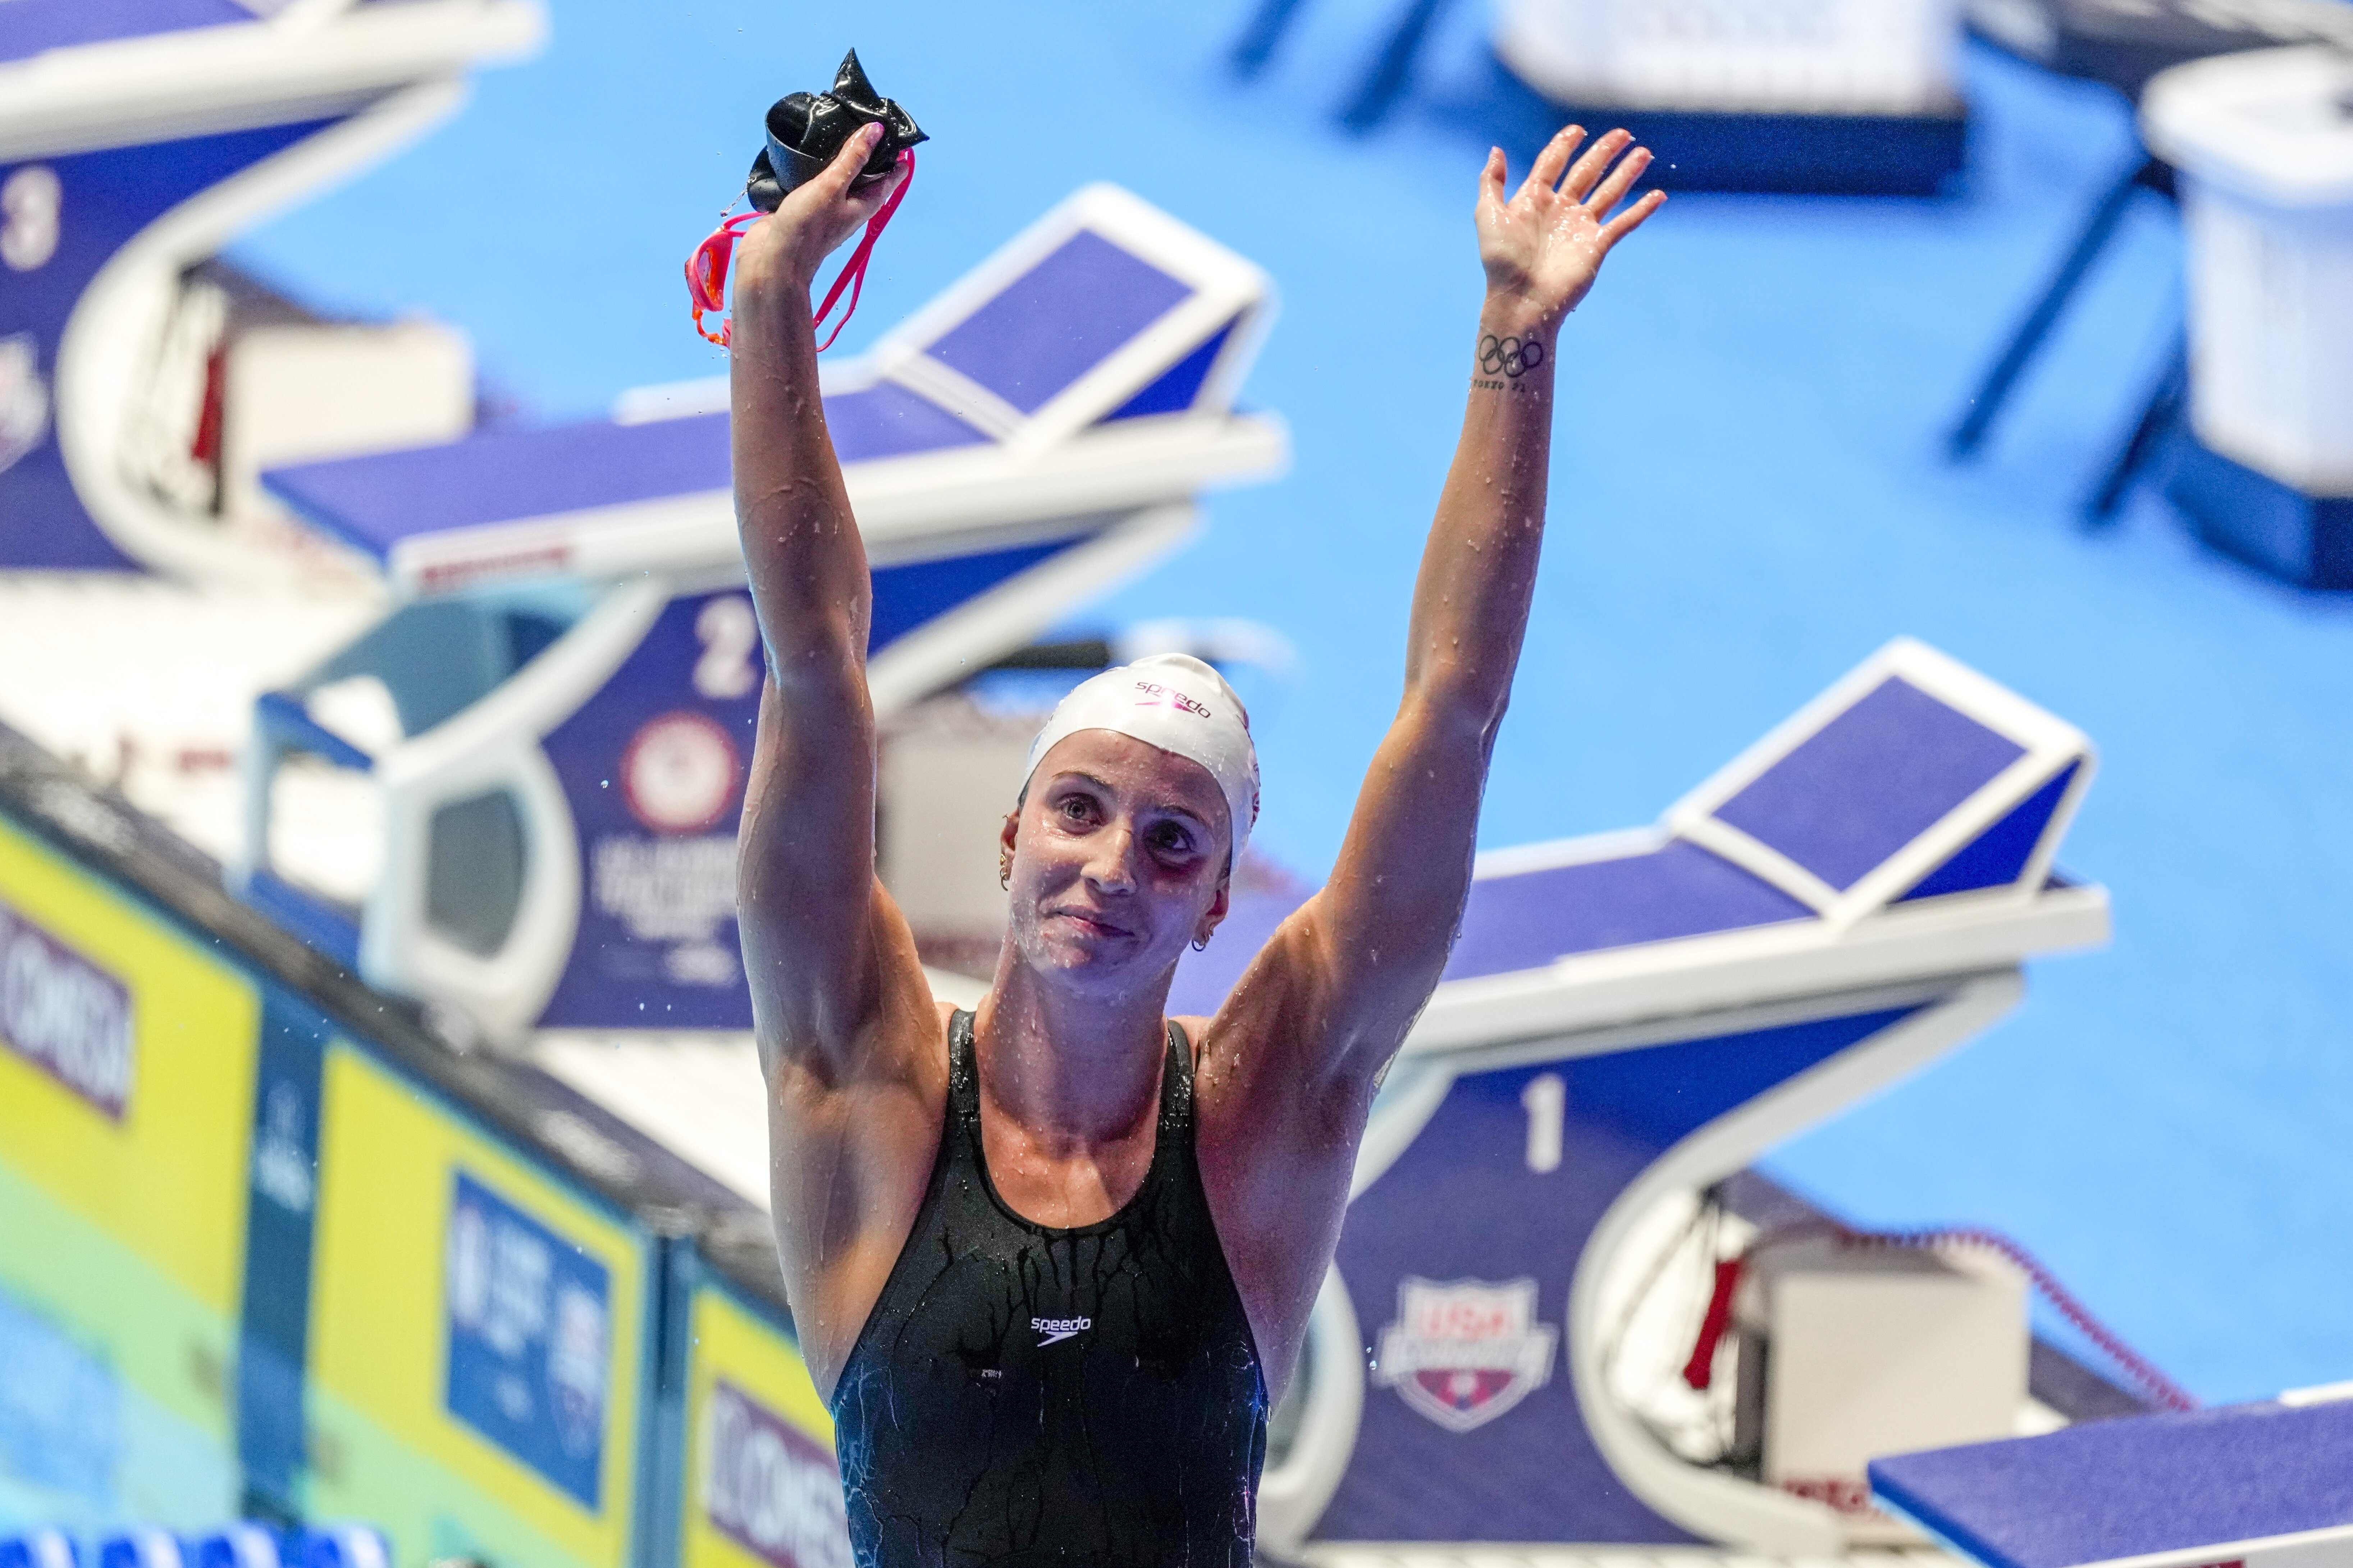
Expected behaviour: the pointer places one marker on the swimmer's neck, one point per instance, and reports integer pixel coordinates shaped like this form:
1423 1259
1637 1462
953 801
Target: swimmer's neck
1066 1064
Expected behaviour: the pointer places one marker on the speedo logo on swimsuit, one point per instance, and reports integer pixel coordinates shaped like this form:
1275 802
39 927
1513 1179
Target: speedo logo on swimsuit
1056 1330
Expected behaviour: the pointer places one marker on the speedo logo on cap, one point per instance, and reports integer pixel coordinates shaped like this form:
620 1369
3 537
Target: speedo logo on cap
1056 1330
1169 697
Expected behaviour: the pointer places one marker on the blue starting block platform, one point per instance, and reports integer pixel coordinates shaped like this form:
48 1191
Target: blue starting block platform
577 670
2268 1485
1631 1017
1088 366
136 138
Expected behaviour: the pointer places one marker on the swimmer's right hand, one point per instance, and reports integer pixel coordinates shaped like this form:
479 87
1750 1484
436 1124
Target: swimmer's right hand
784 250
1543 246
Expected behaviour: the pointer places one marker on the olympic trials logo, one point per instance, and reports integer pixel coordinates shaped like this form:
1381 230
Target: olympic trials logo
680 773
1462 1353
1056 1330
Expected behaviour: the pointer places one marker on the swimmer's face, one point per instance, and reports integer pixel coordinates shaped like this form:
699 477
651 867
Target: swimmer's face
1119 854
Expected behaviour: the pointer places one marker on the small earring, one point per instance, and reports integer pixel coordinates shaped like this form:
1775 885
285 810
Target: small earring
1201 945
1005 870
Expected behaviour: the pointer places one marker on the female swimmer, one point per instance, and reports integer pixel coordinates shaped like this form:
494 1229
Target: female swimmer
1051 1259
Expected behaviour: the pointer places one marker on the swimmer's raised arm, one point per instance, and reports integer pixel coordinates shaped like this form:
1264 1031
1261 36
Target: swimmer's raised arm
1312 1023
1376 936
822 942
1388 915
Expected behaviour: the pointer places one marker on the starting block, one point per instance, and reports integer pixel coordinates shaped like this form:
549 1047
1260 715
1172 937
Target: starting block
2268 1485
136 138
568 693
1632 1016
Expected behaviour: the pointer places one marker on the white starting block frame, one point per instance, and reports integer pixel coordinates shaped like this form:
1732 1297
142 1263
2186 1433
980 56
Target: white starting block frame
1634 1015
136 140
1038 433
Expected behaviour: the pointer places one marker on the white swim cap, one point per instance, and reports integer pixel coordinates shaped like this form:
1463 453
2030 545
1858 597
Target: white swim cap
1175 702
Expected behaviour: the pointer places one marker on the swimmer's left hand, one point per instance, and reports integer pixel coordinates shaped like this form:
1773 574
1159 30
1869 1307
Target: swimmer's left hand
1544 245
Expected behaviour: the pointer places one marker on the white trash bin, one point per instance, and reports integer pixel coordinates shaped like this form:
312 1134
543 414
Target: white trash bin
1750 56
2265 145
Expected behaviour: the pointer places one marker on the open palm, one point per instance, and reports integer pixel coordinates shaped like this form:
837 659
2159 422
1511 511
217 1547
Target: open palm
1543 245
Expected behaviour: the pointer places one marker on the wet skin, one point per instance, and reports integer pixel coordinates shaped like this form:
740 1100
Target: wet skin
1117 862
1118 854
1119 851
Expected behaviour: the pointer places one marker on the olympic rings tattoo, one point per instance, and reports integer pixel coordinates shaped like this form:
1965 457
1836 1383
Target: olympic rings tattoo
1510 356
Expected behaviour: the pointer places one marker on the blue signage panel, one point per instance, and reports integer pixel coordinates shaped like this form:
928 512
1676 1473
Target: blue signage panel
654 766
529 1320
62 219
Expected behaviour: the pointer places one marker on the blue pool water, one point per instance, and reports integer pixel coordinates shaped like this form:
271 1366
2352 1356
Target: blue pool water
1748 499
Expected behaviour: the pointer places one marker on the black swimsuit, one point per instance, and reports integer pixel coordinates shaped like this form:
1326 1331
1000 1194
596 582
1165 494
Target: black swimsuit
1029 1396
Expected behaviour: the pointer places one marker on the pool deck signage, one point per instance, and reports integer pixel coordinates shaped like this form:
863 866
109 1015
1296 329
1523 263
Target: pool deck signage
66 1015
528 1330
772 1489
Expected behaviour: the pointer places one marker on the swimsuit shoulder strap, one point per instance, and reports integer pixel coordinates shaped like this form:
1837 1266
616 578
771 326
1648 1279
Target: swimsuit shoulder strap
964 1072
1177 1092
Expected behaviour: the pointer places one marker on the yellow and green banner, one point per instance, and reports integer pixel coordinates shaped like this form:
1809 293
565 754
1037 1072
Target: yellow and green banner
762 1488
266 1255
126 1105
477 1339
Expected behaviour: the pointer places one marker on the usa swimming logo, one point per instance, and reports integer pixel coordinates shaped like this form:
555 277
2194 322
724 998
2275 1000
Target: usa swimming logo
1462 1353
1056 1330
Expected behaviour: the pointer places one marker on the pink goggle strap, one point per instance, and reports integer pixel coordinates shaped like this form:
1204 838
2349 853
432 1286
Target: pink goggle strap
854 272
706 269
